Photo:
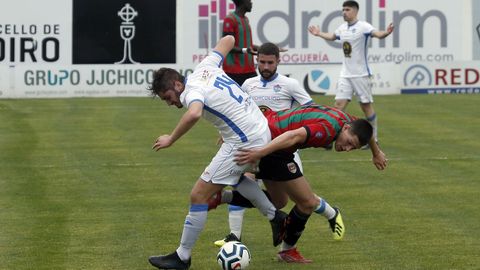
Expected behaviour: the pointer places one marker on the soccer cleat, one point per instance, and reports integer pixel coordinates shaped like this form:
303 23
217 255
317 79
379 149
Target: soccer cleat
278 224
170 261
215 200
292 256
228 238
336 225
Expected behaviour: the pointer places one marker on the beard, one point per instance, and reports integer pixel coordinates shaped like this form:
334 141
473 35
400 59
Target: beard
267 74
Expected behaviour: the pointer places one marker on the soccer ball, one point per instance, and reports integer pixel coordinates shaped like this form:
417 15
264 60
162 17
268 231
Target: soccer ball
233 255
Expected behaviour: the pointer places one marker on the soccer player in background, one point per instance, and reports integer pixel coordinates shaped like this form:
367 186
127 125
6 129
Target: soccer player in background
273 91
239 64
210 93
298 128
355 76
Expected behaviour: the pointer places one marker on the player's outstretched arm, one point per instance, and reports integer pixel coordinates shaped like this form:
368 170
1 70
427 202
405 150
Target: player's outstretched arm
383 34
286 140
188 120
315 30
378 157
225 45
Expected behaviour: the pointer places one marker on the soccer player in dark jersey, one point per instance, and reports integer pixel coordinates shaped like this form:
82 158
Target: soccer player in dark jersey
297 128
239 64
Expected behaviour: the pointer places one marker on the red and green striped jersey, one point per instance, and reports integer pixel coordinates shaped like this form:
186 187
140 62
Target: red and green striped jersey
323 123
239 27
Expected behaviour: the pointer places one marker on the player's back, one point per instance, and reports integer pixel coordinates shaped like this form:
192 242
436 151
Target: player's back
298 117
226 106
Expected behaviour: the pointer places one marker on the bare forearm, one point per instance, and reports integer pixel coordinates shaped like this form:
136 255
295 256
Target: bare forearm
381 34
374 147
315 30
284 141
384 34
327 36
187 121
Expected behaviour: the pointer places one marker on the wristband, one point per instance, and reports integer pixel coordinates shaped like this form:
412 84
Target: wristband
244 50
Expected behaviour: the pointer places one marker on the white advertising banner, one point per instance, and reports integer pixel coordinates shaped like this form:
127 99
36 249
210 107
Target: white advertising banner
441 78
4 81
423 32
45 81
70 48
34 32
476 30
322 79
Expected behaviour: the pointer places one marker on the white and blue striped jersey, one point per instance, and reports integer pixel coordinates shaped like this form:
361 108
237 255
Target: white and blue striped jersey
226 105
355 46
278 93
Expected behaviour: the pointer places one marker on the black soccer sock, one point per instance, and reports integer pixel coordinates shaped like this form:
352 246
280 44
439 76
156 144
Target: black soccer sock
239 200
296 221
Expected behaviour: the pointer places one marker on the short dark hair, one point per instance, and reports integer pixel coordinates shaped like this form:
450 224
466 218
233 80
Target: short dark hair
351 3
163 80
269 49
363 130
237 2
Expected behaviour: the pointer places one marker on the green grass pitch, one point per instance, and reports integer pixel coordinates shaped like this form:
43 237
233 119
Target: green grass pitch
80 188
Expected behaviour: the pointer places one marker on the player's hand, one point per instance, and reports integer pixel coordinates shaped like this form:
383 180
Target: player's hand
390 28
252 51
246 156
314 30
161 142
220 140
380 160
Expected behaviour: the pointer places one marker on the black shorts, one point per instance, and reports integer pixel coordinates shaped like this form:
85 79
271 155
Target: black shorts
278 166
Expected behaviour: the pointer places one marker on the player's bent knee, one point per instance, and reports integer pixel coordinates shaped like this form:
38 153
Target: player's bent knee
198 197
308 206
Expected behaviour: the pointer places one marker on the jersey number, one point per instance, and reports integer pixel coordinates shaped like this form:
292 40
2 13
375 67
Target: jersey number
225 82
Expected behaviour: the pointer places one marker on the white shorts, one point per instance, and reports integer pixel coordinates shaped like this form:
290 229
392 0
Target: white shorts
360 86
223 170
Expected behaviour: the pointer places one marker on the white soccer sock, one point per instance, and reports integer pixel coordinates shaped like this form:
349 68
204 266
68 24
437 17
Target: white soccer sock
235 219
285 246
325 209
194 223
372 119
250 190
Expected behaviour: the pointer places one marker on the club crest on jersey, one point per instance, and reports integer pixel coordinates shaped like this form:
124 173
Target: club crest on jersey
318 135
347 49
205 75
292 167
277 88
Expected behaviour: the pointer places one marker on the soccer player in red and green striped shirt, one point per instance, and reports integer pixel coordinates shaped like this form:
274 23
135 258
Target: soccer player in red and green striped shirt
303 127
239 64
322 126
